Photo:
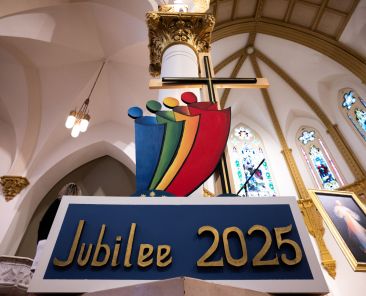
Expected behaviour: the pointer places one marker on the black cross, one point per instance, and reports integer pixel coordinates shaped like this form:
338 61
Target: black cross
208 81
211 82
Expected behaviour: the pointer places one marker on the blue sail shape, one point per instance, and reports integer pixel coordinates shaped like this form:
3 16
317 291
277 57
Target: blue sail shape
149 137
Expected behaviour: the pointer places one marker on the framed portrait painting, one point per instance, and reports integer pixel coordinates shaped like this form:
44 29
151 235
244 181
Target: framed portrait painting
345 216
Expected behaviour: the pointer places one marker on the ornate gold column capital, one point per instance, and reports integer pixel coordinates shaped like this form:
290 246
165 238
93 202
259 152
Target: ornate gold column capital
12 185
166 29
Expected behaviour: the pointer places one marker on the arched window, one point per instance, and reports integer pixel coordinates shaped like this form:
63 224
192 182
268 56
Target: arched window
354 108
246 153
318 159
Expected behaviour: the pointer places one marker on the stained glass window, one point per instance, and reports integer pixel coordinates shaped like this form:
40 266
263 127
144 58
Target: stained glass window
246 153
318 159
354 108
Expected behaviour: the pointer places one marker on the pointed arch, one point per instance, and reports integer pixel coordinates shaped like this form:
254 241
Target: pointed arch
318 159
246 152
353 108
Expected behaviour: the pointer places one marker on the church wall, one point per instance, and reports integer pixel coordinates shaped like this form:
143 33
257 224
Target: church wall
104 176
342 166
7 147
347 281
50 169
328 90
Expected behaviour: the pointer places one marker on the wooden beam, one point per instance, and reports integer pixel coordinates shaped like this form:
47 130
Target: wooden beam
258 10
233 9
251 39
289 10
319 14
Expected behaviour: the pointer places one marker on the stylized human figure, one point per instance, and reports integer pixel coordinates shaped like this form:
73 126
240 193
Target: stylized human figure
355 230
172 138
209 144
148 131
171 147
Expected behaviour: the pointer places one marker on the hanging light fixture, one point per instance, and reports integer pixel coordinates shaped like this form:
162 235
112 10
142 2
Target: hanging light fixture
78 121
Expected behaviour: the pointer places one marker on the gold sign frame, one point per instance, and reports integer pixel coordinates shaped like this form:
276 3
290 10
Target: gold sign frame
339 216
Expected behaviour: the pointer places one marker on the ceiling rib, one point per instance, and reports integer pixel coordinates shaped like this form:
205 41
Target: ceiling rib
289 10
238 66
295 86
234 74
331 28
233 9
270 107
258 10
319 14
251 38
329 47
347 154
228 60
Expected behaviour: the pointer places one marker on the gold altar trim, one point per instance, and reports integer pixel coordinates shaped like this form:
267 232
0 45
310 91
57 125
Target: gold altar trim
314 223
312 218
12 185
167 29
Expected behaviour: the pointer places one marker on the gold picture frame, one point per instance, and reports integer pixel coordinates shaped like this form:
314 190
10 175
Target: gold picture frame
345 216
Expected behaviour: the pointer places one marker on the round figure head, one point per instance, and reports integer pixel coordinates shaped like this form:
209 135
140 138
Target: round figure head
135 112
153 106
188 97
170 102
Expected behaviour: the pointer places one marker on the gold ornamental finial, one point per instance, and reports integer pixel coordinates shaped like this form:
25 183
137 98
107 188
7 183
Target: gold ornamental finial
12 185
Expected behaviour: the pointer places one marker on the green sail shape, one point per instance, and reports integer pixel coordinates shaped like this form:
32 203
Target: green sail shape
173 135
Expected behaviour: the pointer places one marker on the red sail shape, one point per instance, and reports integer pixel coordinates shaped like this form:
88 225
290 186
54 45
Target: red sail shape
210 142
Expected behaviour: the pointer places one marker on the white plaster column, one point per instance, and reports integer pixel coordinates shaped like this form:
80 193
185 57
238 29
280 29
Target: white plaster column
178 61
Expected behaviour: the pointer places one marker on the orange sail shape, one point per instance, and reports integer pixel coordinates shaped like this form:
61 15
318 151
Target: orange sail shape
189 134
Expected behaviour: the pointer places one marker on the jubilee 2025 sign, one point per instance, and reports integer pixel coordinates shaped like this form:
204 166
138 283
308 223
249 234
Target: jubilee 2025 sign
260 244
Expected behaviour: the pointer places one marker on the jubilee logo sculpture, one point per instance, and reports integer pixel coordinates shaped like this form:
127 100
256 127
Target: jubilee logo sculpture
178 149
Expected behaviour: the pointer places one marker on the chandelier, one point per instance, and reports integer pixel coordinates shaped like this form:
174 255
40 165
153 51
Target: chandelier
78 121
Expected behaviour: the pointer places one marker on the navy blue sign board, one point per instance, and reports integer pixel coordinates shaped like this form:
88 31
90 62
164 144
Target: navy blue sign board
98 243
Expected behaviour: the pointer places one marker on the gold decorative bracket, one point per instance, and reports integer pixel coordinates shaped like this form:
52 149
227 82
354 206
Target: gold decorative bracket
314 223
12 185
166 29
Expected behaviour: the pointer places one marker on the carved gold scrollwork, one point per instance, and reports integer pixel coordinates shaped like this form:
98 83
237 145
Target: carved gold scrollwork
12 185
166 29
312 218
314 223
